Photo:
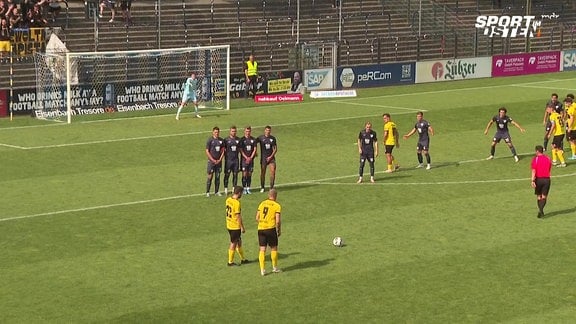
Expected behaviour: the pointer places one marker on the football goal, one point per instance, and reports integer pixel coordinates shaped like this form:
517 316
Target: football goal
70 84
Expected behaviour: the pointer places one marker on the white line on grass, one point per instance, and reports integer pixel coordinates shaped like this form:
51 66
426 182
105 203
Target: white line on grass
311 102
371 105
540 87
13 146
324 181
183 134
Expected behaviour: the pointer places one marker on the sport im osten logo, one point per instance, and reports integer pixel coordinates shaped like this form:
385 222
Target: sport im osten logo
512 26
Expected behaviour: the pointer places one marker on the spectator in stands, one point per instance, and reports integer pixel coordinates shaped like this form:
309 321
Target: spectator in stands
11 5
108 4
54 9
126 5
15 18
25 7
5 46
3 8
336 4
36 18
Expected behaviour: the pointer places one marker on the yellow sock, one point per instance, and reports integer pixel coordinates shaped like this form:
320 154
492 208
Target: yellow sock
274 257
554 155
389 166
240 251
261 256
230 256
561 156
573 147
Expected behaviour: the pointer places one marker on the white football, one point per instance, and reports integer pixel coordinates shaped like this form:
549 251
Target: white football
337 241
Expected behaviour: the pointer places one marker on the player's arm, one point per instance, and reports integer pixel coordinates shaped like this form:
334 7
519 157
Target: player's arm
396 137
488 126
546 116
278 224
239 218
410 133
386 134
430 130
246 73
551 131
359 146
376 149
571 121
518 126
533 183
222 152
210 156
274 150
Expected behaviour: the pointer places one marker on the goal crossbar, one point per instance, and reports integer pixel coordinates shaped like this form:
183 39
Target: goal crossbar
76 83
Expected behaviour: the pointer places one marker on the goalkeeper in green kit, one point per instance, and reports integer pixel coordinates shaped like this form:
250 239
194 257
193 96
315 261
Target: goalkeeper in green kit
189 94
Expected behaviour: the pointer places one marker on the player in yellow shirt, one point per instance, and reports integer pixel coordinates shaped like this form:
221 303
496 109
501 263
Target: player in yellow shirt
570 114
390 141
557 132
235 226
269 229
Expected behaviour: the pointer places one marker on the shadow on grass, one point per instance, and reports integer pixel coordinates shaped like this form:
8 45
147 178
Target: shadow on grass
295 186
282 256
561 212
307 264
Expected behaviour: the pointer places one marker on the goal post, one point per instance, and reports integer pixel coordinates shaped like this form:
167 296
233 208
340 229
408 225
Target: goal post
82 83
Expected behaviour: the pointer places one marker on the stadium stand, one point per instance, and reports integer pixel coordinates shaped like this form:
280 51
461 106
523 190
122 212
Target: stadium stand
372 31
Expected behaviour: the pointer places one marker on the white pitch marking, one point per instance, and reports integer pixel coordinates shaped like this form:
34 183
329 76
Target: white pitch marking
181 134
314 182
312 102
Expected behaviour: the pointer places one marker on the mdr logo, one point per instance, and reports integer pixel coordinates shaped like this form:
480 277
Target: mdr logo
569 60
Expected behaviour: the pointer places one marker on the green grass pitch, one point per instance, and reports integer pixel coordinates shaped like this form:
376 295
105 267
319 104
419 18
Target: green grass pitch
104 220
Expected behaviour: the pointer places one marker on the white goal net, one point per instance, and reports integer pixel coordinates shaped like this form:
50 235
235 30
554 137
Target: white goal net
71 84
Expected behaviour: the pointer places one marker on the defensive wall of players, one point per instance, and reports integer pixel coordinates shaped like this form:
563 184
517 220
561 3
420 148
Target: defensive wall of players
118 99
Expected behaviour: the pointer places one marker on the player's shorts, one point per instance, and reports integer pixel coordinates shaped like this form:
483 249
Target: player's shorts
235 235
367 157
423 145
502 136
247 167
264 163
388 149
571 135
557 142
125 4
5 46
268 237
542 186
213 167
188 96
109 3
232 166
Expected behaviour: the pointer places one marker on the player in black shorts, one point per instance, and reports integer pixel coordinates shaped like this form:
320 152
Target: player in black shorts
268 149
424 130
502 120
248 151
232 161
557 106
368 149
215 152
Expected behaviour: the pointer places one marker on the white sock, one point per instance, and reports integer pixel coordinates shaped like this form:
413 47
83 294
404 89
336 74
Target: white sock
179 110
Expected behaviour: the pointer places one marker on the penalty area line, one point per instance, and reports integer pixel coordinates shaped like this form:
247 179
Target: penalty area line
324 181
